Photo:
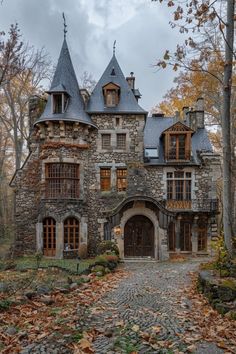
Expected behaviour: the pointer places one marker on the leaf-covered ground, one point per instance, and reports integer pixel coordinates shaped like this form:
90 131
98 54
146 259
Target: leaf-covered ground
141 308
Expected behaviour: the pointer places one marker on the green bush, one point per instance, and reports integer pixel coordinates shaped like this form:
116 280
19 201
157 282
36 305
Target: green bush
108 247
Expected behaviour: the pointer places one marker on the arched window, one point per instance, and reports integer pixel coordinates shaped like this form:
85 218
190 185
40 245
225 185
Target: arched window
49 237
71 234
171 237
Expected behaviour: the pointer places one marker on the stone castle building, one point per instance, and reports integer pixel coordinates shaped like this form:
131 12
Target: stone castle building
100 168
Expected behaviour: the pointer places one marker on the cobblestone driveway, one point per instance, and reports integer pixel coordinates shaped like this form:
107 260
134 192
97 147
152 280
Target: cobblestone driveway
145 301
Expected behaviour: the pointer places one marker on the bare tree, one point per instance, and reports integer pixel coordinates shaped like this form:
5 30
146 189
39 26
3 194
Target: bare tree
15 95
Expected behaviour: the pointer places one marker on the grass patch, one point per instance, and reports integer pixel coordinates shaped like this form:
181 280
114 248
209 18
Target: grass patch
30 262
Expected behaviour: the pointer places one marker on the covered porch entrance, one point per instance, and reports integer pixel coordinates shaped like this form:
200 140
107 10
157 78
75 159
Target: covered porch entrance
139 237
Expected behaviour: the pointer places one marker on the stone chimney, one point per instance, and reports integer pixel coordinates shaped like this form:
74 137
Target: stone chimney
85 95
191 119
177 116
131 80
200 113
36 106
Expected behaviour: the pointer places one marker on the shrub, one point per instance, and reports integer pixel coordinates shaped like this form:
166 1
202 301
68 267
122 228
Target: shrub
101 260
111 258
108 247
83 251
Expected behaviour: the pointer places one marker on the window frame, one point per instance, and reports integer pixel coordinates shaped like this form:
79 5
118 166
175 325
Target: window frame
121 180
62 180
49 236
71 233
103 143
179 188
122 144
104 178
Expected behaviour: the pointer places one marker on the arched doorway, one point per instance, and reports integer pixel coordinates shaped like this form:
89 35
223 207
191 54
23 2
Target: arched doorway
49 237
139 237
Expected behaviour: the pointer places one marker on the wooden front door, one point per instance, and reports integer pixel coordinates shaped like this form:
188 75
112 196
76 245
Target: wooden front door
49 237
139 237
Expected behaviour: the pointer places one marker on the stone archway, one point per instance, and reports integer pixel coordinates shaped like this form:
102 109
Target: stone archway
139 237
157 232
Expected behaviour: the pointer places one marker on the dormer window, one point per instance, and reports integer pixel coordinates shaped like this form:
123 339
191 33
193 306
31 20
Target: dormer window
177 147
111 93
177 141
59 103
111 98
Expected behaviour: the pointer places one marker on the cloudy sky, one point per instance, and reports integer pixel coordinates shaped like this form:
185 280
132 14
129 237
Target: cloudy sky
140 27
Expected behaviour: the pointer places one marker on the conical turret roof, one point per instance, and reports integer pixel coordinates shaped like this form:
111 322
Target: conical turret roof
127 101
65 81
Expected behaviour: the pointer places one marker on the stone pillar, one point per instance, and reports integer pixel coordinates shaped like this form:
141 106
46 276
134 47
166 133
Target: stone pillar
177 233
59 240
195 235
39 237
83 230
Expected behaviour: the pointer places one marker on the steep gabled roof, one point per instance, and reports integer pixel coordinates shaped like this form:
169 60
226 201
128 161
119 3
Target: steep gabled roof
127 101
65 81
178 127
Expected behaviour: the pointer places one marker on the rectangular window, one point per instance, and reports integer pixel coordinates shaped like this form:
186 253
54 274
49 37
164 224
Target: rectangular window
179 185
105 179
62 180
57 103
121 177
106 141
151 153
121 141
111 98
177 147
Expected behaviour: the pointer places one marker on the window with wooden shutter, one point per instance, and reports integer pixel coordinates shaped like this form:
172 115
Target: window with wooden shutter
105 179
62 181
121 179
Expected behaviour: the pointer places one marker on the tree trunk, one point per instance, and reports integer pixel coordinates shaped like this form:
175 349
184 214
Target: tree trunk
226 131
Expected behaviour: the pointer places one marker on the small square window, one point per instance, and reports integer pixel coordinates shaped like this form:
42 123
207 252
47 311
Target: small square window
169 175
106 141
188 174
121 141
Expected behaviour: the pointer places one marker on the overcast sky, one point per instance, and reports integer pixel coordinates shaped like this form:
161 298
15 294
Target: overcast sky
140 27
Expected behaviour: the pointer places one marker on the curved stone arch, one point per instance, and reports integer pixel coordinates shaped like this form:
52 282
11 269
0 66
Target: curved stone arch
48 214
71 214
151 216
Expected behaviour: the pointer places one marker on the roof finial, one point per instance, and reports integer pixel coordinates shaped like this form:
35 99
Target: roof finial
65 25
114 47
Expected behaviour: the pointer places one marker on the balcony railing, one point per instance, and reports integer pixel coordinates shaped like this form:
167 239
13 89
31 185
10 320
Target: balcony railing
206 205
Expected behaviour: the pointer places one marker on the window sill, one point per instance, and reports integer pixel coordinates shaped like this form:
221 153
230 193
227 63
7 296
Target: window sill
62 199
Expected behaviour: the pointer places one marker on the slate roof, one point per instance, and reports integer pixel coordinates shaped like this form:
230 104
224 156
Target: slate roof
127 102
154 128
64 80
